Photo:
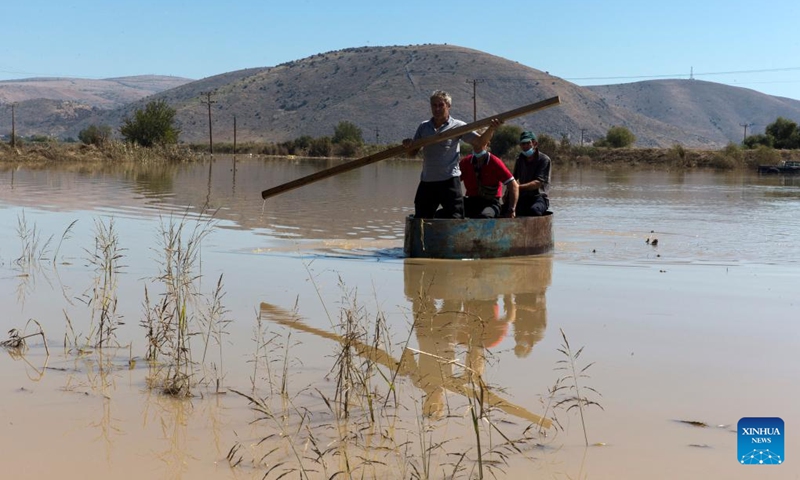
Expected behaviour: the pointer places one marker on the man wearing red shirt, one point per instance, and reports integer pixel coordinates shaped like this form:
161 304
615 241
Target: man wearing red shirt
484 175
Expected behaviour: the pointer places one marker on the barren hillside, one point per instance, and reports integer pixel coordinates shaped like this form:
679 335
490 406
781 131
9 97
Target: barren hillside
384 90
711 110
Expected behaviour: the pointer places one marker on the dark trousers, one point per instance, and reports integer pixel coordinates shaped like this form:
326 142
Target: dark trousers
479 207
446 193
532 205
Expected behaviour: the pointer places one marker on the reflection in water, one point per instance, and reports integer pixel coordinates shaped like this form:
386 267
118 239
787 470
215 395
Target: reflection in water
472 305
455 305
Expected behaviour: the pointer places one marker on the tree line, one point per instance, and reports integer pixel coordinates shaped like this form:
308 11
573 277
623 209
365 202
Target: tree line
782 134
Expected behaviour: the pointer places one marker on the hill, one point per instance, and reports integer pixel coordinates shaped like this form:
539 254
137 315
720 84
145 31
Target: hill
108 93
715 111
385 90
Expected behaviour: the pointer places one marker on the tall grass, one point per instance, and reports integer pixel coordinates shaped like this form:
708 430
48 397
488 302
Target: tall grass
34 247
105 260
172 321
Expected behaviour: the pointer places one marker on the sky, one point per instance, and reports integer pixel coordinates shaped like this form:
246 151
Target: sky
748 44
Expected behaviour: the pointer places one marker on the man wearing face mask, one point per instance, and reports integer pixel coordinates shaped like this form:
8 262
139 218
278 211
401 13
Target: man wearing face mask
532 171
484 175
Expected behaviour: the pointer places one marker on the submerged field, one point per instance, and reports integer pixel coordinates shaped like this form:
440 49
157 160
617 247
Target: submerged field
176 326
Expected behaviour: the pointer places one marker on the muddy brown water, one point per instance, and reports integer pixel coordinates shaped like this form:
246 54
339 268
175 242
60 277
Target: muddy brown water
701 327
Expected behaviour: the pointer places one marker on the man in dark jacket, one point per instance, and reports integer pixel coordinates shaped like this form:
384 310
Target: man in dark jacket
532 171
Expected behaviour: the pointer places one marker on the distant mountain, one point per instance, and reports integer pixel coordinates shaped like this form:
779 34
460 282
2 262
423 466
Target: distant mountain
385 90
108 93
712 110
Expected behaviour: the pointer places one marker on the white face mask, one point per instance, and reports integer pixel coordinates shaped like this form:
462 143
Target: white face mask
480 154
528 152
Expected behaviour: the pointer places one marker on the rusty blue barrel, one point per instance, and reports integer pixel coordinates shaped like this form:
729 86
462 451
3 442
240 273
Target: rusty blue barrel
478 238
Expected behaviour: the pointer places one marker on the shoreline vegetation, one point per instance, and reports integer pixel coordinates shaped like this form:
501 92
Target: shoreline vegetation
731 157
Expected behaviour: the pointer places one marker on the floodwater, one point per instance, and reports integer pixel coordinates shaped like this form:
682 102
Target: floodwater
684 337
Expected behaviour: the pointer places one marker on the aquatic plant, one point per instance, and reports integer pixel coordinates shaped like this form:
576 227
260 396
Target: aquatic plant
34 248
572 383
18 340
105 259
171 322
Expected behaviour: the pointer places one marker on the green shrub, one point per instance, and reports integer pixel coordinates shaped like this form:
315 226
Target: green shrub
547 145
95 135
153 125
320 147
619 137
505 138
347 132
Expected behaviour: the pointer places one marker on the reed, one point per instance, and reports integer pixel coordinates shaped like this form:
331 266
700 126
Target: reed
105 260
572 380
172 321
34 248
214 323
18 340
64 236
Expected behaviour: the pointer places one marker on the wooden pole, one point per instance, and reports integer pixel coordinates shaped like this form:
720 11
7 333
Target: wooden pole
234 134
13 127
475 83
210 136
401 150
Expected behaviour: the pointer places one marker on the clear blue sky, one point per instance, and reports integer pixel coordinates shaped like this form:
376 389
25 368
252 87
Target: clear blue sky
588 43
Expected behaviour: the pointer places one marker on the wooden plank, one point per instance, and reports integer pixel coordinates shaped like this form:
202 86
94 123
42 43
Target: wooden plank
401 150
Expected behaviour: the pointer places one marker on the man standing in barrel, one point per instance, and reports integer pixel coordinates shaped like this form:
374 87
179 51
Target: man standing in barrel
532 171
440 182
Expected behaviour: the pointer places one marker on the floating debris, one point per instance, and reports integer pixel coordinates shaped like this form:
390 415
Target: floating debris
698 445
693 423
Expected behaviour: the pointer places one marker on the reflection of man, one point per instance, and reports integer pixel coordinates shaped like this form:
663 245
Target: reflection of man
461 310
528 311
435 366
482 327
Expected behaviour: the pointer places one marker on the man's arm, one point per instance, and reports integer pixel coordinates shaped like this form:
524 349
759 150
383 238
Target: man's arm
512 188
412 152
532 185
483 139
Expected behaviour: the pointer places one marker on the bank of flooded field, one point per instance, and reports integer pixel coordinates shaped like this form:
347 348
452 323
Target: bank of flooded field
166 323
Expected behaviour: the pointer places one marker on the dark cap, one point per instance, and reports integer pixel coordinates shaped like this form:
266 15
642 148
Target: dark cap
527 136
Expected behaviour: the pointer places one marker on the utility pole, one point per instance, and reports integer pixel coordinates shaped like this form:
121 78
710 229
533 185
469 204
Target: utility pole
377 136
582 130
234 135
745 125
13 126
209 102
475 82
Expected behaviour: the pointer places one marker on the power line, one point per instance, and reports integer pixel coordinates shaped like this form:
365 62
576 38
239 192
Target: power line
732 72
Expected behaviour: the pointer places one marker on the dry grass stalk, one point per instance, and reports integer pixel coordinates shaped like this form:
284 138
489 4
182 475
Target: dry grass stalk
572 383
174 319
105 259
18 340
34 248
